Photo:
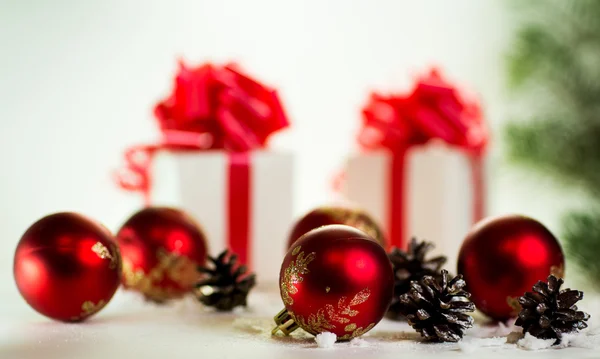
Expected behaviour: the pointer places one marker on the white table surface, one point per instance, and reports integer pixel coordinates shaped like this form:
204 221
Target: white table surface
131 328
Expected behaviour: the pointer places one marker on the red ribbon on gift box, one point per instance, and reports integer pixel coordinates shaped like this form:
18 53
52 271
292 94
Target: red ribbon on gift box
213 108
432 111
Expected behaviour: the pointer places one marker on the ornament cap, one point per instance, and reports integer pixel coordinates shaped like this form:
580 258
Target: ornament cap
285 323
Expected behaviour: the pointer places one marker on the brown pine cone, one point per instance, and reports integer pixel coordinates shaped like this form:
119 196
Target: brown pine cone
226 285
411 266
437 308
548 312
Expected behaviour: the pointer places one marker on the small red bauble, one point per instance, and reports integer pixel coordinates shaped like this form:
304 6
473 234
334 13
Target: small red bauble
67 267
161 249
335 279
323 216
503 257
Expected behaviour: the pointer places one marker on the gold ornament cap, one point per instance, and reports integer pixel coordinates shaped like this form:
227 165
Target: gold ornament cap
285 323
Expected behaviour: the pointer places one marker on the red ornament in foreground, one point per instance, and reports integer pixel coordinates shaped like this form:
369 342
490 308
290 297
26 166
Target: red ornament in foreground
503 257
161 248
67 267
334 279
326 215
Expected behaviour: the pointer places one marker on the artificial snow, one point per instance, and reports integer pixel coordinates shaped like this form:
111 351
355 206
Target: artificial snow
570 340
588 339
529 342
359 342
470 345
325 340
585 340
254 325
498 330
467 346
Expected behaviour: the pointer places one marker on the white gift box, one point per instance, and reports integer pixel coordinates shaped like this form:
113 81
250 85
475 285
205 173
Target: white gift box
439 194
197 182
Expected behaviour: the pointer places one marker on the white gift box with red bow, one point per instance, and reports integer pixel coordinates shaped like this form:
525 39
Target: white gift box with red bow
249 212
439 195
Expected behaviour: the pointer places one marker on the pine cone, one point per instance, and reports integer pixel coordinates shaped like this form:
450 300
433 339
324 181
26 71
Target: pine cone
548 312
225 286
411 266
437 308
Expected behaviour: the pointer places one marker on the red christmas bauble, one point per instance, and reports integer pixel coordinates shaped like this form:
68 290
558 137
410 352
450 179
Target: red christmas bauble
335 279
67 267
503 257
326 215
161 248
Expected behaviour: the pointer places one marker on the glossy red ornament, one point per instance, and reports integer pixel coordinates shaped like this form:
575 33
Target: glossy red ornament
67 267
326 215
161 248
503 257
336 279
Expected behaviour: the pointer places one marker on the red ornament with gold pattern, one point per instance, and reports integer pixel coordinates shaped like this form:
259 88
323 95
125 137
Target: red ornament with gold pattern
161 248
334 279
326 215
503 257
67 267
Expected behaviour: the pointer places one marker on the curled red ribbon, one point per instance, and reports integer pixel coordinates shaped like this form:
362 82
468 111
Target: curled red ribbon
212 108
432 111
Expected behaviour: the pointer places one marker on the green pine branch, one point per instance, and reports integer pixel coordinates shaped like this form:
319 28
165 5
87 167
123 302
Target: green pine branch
582 244
554 70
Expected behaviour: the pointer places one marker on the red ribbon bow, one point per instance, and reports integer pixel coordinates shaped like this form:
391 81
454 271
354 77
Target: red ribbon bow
211 107
433 110
235 112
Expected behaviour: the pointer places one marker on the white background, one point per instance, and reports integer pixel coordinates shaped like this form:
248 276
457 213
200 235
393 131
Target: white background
78 80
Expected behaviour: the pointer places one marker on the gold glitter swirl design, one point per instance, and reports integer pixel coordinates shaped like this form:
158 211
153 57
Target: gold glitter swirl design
177 268
180 269
327 318
132 278
355 332
104 253
350 327
88 308
293 274
316 323
296 250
